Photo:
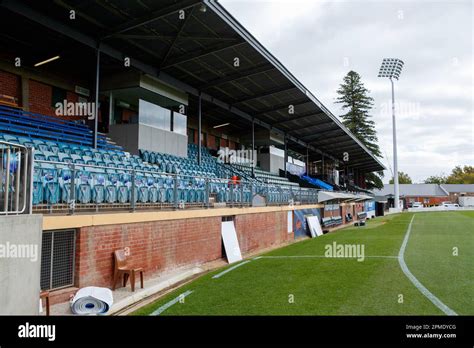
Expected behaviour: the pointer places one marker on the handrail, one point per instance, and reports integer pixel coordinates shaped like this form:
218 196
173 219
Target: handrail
11 179
249 186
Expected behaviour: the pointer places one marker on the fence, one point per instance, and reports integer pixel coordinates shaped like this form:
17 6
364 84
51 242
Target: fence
58 251
72 186
15 174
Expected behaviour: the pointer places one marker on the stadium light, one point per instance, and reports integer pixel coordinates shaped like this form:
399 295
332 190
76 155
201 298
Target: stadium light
392 68
221 125
47 61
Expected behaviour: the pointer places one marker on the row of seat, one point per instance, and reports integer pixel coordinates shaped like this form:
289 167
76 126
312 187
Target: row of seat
18 122
331 221
53 185
265 176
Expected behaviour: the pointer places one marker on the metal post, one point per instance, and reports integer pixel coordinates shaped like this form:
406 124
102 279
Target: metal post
72 199
7 181
307 160
199 128
286 155
96 114
322 167
207 192
111 109
395 161
17 179
31 156
254 160
175 191
132 194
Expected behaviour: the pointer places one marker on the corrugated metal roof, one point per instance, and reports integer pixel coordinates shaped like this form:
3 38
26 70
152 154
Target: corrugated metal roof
459 188
412 190
196 54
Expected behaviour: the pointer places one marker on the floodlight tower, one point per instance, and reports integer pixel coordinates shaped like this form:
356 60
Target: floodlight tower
392 68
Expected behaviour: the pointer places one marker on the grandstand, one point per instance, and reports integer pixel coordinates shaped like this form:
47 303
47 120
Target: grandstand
165 109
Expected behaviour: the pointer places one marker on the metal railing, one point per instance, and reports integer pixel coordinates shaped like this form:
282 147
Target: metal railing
166 190
15 193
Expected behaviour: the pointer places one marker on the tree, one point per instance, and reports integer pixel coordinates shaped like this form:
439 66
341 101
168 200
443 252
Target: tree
461 175
355 98
436 179
403 178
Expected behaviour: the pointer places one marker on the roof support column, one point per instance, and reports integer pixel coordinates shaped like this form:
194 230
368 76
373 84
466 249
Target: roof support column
254 160
307 160
286 155
199 128
96 111
322 167
111 109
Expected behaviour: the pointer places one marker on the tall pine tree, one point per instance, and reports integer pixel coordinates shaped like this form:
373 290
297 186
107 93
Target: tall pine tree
355 98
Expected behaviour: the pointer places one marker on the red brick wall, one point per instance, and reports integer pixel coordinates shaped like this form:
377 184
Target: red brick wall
211 141
166 245
40 98
155 246
10 84
358 207
431 200
259 231
347 209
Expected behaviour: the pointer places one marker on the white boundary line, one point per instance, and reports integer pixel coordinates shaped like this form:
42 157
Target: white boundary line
170 303
437 302
230 269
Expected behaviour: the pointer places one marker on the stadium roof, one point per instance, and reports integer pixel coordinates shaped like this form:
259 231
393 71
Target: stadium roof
196 54
421 190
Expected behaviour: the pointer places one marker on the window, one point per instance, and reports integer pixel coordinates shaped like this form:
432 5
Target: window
154 115
179 123
58 95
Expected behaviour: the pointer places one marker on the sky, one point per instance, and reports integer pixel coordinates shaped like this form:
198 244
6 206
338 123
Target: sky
320 41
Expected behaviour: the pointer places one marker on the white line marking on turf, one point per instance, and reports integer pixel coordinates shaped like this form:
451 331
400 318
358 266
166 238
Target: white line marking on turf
230 269
172 302
436 301
325 257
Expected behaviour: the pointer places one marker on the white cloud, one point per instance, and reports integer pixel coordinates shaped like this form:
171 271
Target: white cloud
320 41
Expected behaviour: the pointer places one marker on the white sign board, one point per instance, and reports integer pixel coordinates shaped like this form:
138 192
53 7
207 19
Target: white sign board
231 243
314 226
290 222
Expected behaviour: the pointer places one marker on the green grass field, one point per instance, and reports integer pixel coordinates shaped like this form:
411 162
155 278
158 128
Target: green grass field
299 280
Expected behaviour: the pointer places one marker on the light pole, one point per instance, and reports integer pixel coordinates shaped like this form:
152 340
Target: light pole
392 68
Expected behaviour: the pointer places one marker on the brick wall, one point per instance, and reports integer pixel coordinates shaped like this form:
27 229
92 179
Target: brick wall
40 98
347 209
358 208
10 84
260 231
156 246
161 246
